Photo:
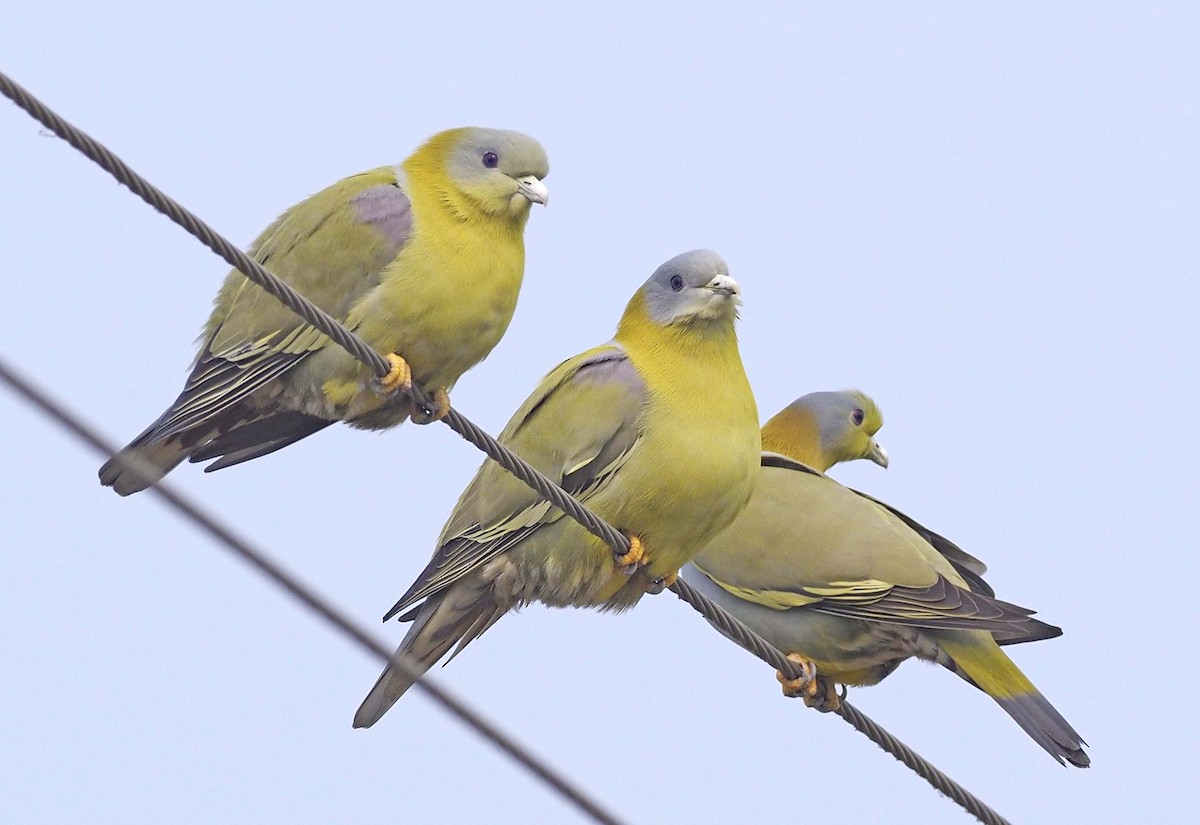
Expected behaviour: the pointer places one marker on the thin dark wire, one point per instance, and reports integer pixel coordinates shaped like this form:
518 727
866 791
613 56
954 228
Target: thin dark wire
731 628
460 424
208 236
273 571
296 302
870 729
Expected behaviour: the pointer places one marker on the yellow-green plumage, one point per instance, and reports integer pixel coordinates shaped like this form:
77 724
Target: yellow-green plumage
857 587
823 428
424 259
448 297
656 432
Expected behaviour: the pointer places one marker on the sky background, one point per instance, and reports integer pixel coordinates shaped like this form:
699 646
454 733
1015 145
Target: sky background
984 215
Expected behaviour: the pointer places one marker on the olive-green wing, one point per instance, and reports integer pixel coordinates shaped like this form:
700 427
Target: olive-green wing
331 248
577 428
821 546
969 567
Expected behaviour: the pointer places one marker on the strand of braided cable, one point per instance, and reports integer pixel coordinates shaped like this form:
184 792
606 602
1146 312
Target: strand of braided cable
200 230
314 601
738 632
881 737
545 487
296 302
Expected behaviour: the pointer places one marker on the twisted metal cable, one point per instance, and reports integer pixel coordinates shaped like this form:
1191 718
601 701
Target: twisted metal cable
106 160
546 488
260 561
906 755
733 629
467 429
296 302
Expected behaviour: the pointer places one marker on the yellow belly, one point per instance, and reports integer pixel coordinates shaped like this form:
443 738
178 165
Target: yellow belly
442 307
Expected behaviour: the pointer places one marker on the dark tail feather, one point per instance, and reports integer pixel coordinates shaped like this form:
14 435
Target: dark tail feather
145 460
1031 630
233 438
163 445
1046 726
457 616
142 464
258 438
977 659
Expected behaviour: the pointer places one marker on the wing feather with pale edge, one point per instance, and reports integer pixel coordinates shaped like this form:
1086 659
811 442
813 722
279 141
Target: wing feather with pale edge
966 565
240 356
582 452
942 605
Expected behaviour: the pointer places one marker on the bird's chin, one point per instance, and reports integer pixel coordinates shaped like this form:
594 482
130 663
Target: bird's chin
719 305
519 205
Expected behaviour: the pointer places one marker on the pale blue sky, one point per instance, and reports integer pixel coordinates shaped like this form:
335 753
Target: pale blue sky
984 215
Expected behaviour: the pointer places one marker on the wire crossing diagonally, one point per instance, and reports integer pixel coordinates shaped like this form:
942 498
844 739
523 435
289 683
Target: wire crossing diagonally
468 430
259 560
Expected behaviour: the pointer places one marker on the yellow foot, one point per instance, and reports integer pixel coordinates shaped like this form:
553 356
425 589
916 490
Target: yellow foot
441 408
628 563
806 685
399 378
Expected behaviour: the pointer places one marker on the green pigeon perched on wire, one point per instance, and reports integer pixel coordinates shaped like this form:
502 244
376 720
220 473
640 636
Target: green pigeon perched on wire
851 587
423 260
656 432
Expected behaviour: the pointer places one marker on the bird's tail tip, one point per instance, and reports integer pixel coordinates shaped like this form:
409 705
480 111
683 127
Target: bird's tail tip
388 689
134 469
441 622
144 461
1046 726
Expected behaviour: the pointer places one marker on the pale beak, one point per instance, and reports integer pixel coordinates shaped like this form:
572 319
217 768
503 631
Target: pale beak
878 454
531 187
725 285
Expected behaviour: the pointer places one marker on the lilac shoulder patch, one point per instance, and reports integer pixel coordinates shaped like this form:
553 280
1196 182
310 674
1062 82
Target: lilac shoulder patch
388 209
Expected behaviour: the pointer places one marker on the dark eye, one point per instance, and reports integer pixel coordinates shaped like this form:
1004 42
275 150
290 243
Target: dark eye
491 160
676 282
857 417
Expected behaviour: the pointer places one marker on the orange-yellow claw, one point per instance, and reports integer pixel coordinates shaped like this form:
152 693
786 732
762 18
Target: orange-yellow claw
670 578
399 377
441 408
628 563
806 685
